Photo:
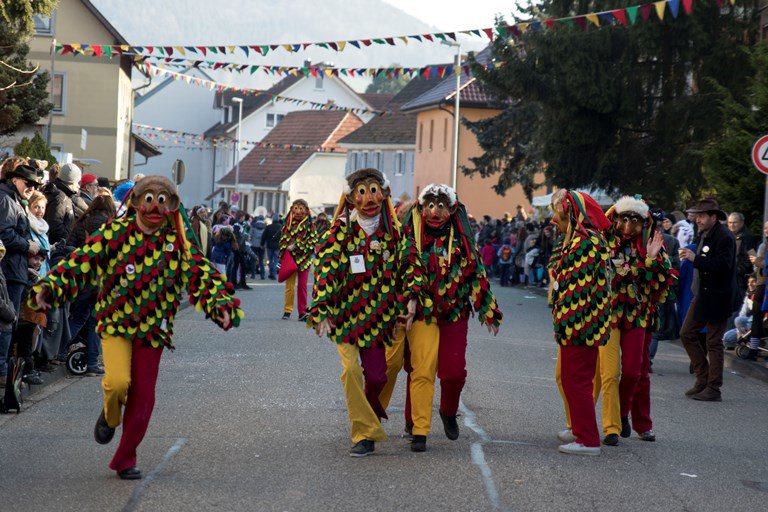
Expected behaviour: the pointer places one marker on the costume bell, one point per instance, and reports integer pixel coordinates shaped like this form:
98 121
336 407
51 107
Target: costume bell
437 341
367 276
298 238
581 300
642 276
140 264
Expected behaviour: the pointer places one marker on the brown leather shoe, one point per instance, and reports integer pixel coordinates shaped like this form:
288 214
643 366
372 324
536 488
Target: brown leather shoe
696 389
708 395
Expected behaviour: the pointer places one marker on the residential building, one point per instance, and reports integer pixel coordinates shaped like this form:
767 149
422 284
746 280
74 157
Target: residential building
92 97
176 105
260 114
272 177
434 145
388 142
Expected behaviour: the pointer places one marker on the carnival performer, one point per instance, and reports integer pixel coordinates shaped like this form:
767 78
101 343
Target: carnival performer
298 239
367 276
642 276
140 264
581 300
458 287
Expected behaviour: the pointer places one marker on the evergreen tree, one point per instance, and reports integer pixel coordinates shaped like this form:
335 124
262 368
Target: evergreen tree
727 160
18 15
23 93
627 108
35 148
382 84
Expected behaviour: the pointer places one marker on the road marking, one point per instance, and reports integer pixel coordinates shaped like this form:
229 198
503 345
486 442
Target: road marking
478 456
133 502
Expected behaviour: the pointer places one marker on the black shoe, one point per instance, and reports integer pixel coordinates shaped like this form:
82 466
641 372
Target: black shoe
708 395
32 378
451 426
611 440
303 318
132 473
408 431
362 449
243 286
690 368
648 436
95 372
419 444
103 433
695 390
752 355
626 428
286 316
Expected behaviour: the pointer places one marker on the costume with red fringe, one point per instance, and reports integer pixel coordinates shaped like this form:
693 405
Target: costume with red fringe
300 234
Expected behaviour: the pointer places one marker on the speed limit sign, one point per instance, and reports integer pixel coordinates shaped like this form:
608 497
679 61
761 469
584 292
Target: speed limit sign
760 154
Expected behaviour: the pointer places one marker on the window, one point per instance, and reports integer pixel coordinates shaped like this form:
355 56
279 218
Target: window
376 163
431 133
421 135
352 161
445 134
274 119
43 25
399 163
59 84
319 81
363 159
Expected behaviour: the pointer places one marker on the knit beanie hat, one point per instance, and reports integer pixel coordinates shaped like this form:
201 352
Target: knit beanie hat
70 174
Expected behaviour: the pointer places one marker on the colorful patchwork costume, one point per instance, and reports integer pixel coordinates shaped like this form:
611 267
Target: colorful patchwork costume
298 233
366 275
458 286
581 300
642 277
140 273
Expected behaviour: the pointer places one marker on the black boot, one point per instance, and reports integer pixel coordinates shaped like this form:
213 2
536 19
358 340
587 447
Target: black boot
451 426
419 444
132 473
102 432
626 428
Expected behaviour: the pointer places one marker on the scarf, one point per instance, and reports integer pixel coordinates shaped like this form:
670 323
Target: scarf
369 225
39 226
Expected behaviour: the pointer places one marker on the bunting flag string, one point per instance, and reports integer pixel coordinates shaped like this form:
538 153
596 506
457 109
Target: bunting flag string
219 87
202 141
432 71
624 16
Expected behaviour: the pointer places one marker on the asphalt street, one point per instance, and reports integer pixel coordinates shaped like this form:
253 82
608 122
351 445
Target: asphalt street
254 419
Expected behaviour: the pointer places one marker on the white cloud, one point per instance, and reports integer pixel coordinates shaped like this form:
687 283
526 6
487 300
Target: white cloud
455 15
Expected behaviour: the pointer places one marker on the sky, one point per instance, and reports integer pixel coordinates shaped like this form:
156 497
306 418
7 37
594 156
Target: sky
455 15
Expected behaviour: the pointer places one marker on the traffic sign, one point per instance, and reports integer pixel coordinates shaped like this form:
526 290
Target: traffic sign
760 154
234 198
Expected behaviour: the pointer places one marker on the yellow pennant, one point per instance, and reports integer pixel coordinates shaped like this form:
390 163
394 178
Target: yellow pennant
593 19
404 39
523 27
341 45
660 6
328 72
288 48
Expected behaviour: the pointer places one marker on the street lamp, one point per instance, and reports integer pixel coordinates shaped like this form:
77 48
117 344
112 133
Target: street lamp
239 101
457 69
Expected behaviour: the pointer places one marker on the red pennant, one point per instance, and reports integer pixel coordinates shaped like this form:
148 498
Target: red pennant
274 47
581 22
441 71
489 33
169 50
390 41
65 49
429 37
550 23
117 49
203 50
306 45
645 11
334 46
96 50
620 15
366 42
687 6
150 49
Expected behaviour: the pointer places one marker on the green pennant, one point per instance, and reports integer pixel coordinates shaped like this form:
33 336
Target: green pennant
379 41
253 69
213 49
322 45
502 31
441 37
632 13
108 51
344 72
568 22
264 50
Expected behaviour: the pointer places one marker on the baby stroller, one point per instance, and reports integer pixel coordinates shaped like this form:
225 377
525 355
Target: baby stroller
742 347
77 357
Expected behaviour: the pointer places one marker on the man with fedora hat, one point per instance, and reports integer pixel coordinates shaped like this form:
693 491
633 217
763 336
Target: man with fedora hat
714 296
18 186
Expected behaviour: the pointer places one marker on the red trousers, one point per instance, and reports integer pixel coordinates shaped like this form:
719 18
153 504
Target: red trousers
635 384
144 365
452 364
578 367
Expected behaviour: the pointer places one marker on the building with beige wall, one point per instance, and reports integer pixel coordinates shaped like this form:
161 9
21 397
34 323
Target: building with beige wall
89 93
434 147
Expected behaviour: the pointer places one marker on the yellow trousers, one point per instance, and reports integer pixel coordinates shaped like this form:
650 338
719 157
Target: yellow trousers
395 355
290 291
559 380
363 420
607 381
117 377
424 342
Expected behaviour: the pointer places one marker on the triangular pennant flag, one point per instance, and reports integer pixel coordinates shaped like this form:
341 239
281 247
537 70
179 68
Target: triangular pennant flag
632 13
550 23
441 71
620 15
404 39
341 45
203 50
429 37
687 4
645 11
322 45
366 42
223 49
568 22
536 25
296 47
488 33
191 49
523 27
390 41
356 44
181 50
169 50
333 46
581 22
328 72
379 41
416 37
108 51
149 49
607 17
264 50
660 6
452 35
592 17
246 51
97 50
674 7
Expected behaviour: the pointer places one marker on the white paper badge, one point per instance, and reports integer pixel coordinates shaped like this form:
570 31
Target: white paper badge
130 269
357 263
555 286
169 247
705 249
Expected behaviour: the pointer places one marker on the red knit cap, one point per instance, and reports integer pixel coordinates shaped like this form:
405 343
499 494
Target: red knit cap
88 178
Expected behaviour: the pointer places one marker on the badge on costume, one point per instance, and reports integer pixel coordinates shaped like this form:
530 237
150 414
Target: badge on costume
555 286
705 249
130 269
169 247
357 264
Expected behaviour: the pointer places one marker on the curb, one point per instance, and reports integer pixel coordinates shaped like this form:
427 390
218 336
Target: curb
754 369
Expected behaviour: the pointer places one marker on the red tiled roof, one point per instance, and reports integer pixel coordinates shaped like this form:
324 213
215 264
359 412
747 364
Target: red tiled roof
272 166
